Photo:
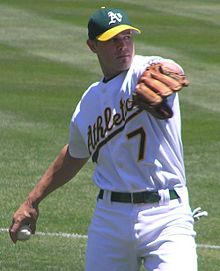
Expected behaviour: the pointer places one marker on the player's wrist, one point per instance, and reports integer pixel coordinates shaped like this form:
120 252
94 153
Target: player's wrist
32 201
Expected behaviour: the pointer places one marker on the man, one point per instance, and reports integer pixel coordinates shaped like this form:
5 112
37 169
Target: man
142 213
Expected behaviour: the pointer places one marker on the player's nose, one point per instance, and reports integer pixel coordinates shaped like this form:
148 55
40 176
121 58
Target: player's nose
121 44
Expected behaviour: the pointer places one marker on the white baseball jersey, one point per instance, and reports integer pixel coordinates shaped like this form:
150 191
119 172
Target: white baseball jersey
133 150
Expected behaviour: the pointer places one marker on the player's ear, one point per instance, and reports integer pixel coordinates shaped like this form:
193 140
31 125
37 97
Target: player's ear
92 45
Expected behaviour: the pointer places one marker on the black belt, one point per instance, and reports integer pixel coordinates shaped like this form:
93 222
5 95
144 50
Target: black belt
137 197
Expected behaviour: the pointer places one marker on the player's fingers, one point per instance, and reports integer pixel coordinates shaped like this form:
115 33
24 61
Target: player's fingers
13 231
148 94
16 225
33 226
169 74
172 83
157 86
175 72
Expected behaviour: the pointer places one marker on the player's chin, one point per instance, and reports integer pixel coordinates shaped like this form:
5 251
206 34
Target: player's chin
124 63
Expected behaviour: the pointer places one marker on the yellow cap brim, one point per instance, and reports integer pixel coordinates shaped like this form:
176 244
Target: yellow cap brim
107 35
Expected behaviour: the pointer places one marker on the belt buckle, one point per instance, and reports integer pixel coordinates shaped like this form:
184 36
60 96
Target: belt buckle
145 197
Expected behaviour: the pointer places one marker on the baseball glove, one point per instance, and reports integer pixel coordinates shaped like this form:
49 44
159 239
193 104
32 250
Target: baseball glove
157 83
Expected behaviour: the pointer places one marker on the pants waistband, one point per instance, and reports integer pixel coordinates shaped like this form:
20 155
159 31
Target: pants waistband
137 197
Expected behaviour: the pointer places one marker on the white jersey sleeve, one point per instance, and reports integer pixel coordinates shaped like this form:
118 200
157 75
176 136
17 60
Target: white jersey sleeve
77 147
77 144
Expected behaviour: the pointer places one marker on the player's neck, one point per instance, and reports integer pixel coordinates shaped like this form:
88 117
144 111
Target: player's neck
107 79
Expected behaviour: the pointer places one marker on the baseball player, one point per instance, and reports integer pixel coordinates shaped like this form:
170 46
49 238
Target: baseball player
129 124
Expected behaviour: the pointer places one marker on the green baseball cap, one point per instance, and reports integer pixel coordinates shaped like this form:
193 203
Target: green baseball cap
106 23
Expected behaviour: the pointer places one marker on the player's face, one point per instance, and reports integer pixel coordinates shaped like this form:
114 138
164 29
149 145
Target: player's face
116 54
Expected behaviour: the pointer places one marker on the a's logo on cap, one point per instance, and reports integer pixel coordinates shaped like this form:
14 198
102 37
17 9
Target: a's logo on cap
115 17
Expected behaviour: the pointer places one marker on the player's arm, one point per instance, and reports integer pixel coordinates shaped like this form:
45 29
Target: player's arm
62 170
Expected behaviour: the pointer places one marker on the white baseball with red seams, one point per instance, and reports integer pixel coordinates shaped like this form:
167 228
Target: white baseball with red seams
24 233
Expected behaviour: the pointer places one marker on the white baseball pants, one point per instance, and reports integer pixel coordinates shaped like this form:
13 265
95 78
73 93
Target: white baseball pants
122 236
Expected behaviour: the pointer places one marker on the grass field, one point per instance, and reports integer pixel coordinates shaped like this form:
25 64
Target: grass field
46 66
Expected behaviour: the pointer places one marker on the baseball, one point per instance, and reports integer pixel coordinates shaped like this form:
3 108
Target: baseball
24 233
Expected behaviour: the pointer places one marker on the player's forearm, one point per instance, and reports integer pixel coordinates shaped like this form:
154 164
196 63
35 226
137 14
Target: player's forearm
63 169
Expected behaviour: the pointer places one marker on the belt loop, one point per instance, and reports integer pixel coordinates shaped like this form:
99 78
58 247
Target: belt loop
132 198
107 197
164 196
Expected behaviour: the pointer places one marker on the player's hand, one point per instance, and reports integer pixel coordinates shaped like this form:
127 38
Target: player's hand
25 215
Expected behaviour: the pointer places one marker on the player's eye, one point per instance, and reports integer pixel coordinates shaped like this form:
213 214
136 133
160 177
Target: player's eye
127 37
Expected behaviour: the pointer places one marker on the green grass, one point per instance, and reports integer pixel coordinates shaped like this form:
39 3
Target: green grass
46 66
